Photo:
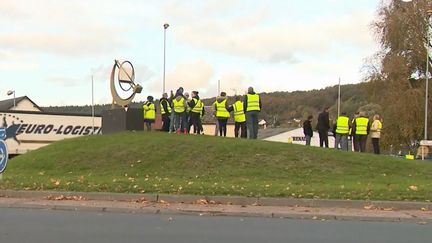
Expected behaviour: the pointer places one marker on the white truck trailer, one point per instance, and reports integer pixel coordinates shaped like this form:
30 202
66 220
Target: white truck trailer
28 130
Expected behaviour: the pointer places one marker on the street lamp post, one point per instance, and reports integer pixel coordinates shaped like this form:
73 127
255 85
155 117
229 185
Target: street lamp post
93 105
339 98
12 92
166 25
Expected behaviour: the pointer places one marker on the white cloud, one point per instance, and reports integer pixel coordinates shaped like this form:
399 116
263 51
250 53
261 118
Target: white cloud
253 35
64 81
68 44
62 28
233 83
191 75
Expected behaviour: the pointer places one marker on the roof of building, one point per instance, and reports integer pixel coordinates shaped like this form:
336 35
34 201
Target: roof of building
8 104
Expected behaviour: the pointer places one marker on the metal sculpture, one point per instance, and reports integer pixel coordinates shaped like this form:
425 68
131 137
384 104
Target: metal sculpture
125 79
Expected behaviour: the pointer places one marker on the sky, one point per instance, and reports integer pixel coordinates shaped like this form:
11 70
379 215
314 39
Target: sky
50 49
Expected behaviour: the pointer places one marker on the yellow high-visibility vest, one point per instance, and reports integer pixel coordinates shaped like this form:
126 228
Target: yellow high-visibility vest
239 115
221 111
162 108
149 111
362 125
379 125
179 105
253 101
342 125
198 106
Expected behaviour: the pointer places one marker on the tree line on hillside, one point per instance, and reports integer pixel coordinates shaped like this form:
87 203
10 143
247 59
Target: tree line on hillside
280 108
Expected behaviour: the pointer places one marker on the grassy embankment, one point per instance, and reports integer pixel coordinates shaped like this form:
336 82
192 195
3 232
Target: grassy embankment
179 164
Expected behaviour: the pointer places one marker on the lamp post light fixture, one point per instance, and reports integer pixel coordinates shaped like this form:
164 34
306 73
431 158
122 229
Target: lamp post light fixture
12 92
165 26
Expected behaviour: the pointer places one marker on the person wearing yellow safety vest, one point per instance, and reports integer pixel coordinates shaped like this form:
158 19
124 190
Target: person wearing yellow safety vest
252 107
353 137
239 118
361 129
196 106
165 109
342 131
221 113
149 112
376 133
179 106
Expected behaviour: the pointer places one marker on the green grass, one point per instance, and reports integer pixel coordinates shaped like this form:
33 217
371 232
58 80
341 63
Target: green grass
180 164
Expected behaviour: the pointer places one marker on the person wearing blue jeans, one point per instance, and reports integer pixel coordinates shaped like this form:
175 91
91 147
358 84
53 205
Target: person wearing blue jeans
252 107
252 124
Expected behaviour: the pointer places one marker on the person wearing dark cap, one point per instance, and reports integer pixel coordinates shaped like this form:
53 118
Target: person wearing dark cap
221 113
149 112
196 106
165 110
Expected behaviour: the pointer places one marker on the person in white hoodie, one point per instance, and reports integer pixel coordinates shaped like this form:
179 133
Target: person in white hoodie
376 133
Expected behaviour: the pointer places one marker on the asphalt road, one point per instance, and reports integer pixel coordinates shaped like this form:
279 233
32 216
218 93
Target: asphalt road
46 226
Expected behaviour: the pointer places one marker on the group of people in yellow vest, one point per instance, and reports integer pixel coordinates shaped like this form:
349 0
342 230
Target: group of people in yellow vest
358 129
180 113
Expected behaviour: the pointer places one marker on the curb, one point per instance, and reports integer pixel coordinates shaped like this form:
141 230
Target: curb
228 200
204 213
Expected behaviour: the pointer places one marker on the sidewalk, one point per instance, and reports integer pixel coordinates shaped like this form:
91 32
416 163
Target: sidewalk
220 206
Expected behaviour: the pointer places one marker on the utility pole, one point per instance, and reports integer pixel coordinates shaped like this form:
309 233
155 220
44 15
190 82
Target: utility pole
166 25
339 98
93 108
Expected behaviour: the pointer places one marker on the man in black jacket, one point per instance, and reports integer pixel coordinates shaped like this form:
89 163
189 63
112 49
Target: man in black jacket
323 126
307 130
165 112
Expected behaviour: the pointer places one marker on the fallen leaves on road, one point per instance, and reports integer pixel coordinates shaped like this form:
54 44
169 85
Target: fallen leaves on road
373 207
369 207
141 200
163 202
204 202
65 198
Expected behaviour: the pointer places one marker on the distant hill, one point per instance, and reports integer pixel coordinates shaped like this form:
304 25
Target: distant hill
281 108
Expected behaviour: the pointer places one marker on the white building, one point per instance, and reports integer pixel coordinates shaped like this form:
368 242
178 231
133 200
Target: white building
296 136
22 103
